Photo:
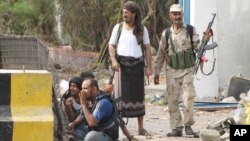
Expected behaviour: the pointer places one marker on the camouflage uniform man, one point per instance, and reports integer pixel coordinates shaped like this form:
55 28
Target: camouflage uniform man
177 51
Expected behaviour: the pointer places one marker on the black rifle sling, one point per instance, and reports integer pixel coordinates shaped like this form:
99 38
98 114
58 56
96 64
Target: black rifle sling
167 34
172 44
190 30
118 34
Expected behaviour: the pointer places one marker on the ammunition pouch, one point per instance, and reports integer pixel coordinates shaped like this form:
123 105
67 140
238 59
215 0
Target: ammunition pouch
182 60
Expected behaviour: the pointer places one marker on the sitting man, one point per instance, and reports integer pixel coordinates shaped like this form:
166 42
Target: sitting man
73 107
71 98
72 127
101 118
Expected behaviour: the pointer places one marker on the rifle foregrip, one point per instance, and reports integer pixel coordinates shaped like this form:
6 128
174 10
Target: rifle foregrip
211 46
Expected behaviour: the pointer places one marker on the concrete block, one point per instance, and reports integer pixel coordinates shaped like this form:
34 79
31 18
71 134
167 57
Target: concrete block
209 135
26 106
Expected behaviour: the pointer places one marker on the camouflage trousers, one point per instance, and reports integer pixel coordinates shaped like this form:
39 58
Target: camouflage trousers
181 88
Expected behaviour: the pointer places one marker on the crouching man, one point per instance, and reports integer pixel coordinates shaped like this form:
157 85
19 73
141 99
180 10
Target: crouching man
100 117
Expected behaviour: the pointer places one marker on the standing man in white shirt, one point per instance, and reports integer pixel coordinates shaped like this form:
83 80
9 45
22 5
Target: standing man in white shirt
129 50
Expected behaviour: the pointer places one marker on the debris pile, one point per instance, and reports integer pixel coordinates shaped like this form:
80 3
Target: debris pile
238 92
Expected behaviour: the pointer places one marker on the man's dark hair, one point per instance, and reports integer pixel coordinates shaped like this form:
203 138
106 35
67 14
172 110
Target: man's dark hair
78 81
85 75
134 8
93 83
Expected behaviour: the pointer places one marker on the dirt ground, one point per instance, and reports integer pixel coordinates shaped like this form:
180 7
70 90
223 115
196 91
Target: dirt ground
157 123
156 120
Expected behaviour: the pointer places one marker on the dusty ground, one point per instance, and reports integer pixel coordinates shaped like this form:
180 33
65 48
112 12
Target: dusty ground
157 123
157 118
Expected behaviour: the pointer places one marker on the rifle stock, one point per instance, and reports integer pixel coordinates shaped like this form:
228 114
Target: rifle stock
204 46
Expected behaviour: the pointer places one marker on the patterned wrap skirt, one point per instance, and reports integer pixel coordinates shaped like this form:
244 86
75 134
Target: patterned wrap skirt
129 87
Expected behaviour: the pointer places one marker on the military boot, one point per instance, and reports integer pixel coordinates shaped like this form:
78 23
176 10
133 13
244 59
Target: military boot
189 131
175 132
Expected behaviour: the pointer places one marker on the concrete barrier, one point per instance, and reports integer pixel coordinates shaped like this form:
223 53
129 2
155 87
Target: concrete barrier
26 105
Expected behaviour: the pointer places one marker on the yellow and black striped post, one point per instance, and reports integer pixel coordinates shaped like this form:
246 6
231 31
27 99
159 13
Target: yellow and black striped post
26 106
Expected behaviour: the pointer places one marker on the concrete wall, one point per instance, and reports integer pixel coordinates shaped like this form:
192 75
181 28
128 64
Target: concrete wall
233 36
231 29
70 59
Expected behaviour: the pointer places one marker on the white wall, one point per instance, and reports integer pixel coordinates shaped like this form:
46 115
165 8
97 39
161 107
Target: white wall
232 30
201 14
233 37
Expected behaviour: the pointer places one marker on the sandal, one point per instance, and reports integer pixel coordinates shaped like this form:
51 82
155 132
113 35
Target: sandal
144 132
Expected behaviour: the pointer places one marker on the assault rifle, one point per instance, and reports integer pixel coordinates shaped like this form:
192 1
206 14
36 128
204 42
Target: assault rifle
204 46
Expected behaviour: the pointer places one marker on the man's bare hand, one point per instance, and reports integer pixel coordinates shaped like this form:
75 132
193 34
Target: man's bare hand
115 65
208 34
149 71
69 101
70 128
83 97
